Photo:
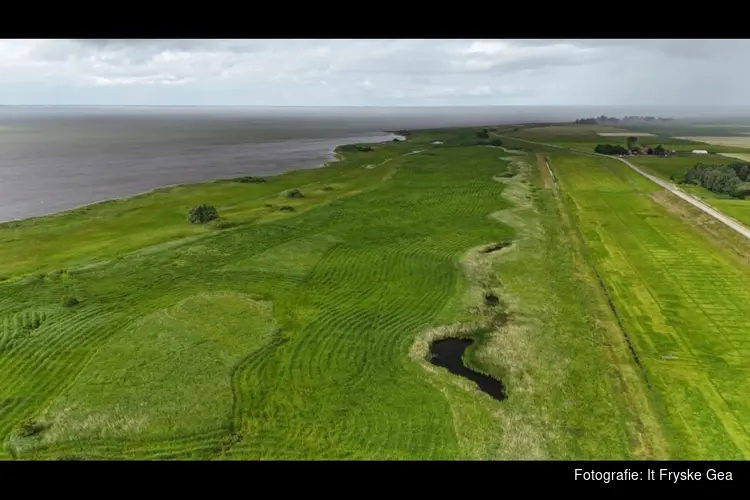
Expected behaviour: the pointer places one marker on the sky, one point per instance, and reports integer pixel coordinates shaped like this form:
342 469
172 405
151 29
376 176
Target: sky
375 72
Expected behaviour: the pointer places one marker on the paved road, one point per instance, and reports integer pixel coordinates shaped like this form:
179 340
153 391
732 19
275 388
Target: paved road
704 207
693 201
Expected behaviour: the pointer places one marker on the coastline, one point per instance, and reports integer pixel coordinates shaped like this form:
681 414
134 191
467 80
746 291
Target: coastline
335 157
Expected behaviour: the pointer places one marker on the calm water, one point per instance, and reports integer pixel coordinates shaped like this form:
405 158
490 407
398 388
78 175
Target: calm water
58 158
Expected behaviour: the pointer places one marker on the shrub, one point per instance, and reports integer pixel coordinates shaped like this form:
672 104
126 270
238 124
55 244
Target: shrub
69 301
496 142
201 214
287 208
29 428
3 278
294 193
249 179
268 205
328 188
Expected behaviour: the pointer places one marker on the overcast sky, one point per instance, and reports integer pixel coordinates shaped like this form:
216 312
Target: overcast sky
375 72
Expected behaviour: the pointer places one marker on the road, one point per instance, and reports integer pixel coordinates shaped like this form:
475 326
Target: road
693 201
704 207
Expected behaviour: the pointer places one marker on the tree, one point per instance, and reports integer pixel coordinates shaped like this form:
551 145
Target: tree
482 134
609 149
659 150
632 142
200 214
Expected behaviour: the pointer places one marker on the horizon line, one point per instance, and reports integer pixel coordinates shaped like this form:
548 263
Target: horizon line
383 105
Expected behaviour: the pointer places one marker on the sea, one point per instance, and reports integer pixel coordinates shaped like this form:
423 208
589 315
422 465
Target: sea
55 158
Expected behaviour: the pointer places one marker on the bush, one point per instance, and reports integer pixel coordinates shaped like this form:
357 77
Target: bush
201 214
610 149
249 179
326 188
69 301
294 193
30 428
287 208
496 142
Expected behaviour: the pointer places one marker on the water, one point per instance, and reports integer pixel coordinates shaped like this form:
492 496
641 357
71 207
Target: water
449 353
55 158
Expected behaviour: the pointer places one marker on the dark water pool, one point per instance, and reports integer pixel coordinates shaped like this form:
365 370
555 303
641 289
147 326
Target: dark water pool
448 353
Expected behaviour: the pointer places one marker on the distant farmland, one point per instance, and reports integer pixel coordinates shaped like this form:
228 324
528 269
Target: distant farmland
625 134
727 141
738 156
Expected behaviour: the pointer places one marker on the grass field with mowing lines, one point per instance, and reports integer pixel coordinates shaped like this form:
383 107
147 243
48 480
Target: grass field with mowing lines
666 168
681 300
301 335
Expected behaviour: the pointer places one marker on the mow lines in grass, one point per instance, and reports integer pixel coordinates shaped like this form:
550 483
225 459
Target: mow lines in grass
352 281
666 270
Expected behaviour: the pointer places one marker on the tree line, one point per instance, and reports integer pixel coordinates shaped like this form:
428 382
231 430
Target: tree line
730 179
616 149
626 119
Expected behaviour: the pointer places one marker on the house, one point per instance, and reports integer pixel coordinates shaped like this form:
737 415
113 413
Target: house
437 142
700 152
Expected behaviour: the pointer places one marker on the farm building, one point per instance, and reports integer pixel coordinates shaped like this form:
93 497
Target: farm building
700 152
437 142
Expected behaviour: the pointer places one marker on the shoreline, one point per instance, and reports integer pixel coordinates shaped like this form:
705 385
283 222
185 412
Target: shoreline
334 154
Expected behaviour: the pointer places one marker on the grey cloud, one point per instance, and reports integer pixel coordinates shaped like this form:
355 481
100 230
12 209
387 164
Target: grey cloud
377 72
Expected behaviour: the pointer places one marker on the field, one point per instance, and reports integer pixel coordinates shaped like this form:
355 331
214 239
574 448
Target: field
625 134
741 141
587 137
738 156
303 334
681 299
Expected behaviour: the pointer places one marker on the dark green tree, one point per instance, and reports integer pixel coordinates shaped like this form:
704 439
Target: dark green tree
200 214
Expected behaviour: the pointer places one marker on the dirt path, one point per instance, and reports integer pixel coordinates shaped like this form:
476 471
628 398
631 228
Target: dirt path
545 172
704 207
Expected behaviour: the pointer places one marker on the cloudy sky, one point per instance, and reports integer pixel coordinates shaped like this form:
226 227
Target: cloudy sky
375 72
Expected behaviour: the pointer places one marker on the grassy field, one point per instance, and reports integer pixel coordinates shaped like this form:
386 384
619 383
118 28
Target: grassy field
587 137
666 168
738 156
735 141
681 298
304 334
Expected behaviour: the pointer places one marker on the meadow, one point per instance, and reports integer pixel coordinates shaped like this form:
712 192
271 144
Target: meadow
303 333
587 137
681 300
734 141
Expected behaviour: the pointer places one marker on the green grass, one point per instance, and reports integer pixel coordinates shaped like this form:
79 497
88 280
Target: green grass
681 300
294 335
667 167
